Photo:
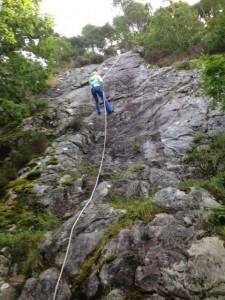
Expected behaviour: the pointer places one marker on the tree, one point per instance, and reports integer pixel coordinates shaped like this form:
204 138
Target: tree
171 29
122 32
56 50
28 48
215 37
21 25
93 37
78 45
208 8
134 18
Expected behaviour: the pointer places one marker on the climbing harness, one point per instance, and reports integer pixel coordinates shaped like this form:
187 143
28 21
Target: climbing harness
88 202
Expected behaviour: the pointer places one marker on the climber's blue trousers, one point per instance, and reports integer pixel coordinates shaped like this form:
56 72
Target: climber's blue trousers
97 91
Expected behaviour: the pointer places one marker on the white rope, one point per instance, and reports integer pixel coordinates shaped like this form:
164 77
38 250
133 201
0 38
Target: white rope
88 202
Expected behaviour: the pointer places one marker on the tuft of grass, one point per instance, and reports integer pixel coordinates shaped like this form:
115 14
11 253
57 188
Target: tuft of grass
137 209
52 81
217 216
34 174
68 182
216 221
133 169
52 161
198 137
91 170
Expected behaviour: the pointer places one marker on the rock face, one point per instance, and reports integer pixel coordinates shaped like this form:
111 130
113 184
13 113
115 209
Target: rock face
157 111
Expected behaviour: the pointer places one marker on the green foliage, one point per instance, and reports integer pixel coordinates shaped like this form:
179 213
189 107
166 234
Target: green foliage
93 259
29 51
208 158
56 50
216 220
199 137
217 216
34 174
213 76
52 161
208 8
27 226
21 23
93 37
215 34
171 29
208 155
7 173
22 77
133 169
13 114
137 209
30 146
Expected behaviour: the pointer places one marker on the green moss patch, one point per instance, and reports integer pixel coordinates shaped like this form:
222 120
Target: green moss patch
207 156
22 226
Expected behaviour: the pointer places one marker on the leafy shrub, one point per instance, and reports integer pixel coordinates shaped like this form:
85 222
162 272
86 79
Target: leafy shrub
13 113
213 76
207 155
29 147
7 173
82 61
34 106
95 58
208 158
31 224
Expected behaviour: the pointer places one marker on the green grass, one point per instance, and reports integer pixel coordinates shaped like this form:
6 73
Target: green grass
52 161
34 174
133 169
207 156
137 209
22 226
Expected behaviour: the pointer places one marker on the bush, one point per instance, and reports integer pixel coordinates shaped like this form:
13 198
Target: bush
30 146
13 114
7 173
213 76
208 158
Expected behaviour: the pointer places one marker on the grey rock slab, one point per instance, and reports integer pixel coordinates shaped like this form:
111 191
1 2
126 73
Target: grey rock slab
175 200
43 287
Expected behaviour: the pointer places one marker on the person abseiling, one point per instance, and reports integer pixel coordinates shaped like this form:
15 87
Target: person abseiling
96 84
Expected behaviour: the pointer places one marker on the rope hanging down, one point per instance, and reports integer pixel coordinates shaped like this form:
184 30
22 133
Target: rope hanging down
89 201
